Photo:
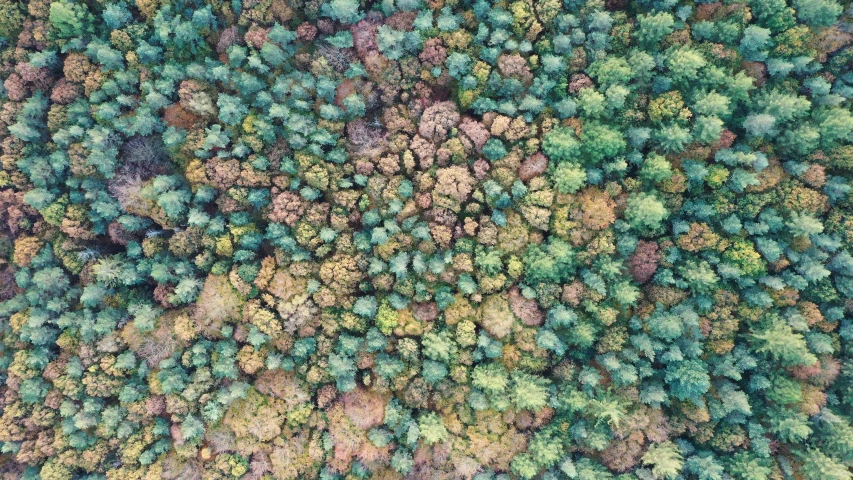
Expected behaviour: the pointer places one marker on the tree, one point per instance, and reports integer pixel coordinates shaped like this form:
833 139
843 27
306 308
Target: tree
653 27
747 466
600 142
524 466
70 19
817 13
116 15
760 125
707 128
344 11
39 198
11 18
712 103
673 138
804 224
665 326
789 426
754 43
700 276
192 428
402 461
817 465
655 168
491 378
645 212
433 371
431 428
569 177
591 102
688 379
705 467
665 460
836 126
612 70
232 110
365 306
439 346
186 291
494 149
684 63
273 54
528 392
561 145
458 65
774 14
549 341
174 203
391 42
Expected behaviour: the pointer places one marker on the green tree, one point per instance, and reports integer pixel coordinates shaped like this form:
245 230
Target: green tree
70 19
344 11
569 177
653 27
655 168
524 466
491 378
819 466
688 379
684 63
431 428
665 460
600 142
645 212
779 341
818 13
232 110
746 466
561 145
11 18
528 392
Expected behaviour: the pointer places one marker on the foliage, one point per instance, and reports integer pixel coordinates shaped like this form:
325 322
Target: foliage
339 239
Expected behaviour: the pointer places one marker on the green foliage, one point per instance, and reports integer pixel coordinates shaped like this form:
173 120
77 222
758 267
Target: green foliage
688 379
655 168
819 13
645 212
528 392
431 428
782 344
70 19
494 149
653 27
600 142
665 460
492 240
569 177
346 11
232 110
491 378
817 465
11 18
561 145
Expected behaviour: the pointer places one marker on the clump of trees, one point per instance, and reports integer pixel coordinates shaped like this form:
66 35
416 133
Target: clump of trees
404 239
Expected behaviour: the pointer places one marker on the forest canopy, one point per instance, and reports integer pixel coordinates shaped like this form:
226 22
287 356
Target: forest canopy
426 239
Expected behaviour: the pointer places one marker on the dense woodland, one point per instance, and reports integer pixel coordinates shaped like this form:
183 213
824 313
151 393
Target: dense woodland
426 239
